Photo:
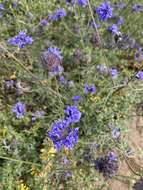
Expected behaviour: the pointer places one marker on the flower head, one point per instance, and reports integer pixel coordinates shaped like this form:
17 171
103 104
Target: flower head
113 29
107 165
1 6
56 51
51 59
104 11
58 14
21 40
113 73
43 22
62 135
89 89
76 99
116 133
82 3
139 75
120 21
102 69
19 109
137 8
72 114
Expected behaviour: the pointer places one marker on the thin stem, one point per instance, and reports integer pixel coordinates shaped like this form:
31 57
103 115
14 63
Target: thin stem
20 161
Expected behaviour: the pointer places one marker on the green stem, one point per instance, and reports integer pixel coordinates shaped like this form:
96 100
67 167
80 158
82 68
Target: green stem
20 161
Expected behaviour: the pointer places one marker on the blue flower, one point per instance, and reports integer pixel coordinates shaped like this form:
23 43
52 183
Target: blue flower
120 21
112 156
70 2
57 15
107 165
43 22
56 71
104 11
119 5
139 55
137 8
139 75
82 3
1 6
113 29
113 73
14 4
56 51
76 99
102 69
62 135
62 80
19 109
72 114
89 89
21 40
116 133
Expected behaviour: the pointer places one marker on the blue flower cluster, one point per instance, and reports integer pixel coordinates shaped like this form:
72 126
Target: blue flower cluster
104 11
57 15
89 89
82 3
62 134
107 165
21 40
19 109
102 69
51 58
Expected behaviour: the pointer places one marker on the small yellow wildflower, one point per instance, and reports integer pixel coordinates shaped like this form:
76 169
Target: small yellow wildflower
94 98
13 76
44 82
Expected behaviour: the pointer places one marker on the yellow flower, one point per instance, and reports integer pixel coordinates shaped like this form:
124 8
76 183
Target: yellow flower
13 76
94 98
44 82
52 151
23 186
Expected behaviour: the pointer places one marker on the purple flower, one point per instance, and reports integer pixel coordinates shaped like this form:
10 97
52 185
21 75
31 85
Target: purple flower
102 69
57 15
139 55
14 5
56 51
116 133
89 89
72 114
70 2
107 165
62 135
62 80
137 8
82 3
19 109
9 84
56 71
112 156
76 99
113 73
120 21
113 29
119 5
43 22
21 40
139 75
104 11
1 6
